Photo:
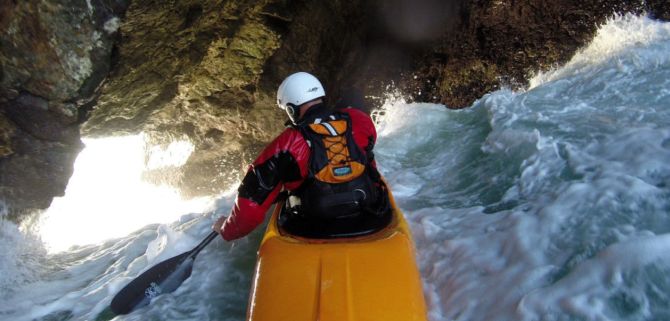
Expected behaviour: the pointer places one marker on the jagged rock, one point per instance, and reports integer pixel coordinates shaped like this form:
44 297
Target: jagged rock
58 50
659 9
498 43
43 146
53 56
193 70
7 130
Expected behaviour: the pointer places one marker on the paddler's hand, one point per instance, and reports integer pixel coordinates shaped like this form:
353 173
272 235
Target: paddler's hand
218 224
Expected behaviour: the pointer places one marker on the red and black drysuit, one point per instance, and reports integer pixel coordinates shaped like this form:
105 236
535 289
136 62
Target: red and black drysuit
284 164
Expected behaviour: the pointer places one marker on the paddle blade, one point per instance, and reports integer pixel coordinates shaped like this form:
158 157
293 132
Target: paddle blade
164 277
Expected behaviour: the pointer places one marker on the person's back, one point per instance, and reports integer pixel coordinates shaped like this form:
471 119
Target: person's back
323 159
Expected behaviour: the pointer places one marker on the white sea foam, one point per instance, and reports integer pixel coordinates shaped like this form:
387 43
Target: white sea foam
629 42
559 211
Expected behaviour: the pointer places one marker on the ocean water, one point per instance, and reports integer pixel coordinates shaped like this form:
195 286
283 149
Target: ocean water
551 203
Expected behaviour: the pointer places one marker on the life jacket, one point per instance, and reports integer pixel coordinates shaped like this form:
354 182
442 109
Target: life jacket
341 181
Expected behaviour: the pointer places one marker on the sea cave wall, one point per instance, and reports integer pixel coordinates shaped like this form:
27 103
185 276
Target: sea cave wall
206 71
54 55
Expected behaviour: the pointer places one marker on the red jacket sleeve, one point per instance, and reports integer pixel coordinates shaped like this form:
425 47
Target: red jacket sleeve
246 215
363 129
283 163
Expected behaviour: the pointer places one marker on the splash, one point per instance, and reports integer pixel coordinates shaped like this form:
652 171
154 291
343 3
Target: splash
629 41
548 204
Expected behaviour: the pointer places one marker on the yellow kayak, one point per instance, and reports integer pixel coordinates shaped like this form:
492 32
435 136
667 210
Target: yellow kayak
367 277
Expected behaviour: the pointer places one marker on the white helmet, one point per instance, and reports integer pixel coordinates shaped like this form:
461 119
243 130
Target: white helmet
296 90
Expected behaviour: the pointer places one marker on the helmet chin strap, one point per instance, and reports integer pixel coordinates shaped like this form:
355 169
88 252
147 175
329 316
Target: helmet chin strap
293 112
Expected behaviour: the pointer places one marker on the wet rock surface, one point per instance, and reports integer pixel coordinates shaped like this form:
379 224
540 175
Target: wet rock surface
53 56
207 71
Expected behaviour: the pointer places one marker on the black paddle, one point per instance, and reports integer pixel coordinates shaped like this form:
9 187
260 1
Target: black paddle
164 277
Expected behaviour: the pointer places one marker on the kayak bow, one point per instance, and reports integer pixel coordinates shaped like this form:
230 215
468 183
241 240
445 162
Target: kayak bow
372 277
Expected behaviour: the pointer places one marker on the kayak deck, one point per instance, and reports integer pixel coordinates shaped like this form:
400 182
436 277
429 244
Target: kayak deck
372 277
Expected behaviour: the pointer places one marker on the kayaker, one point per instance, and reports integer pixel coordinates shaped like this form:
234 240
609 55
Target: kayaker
323 159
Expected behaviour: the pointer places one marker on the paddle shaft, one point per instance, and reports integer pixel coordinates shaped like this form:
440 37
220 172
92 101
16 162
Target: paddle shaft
163 277
204 243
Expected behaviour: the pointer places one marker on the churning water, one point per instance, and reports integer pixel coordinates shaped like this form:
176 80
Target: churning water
548 204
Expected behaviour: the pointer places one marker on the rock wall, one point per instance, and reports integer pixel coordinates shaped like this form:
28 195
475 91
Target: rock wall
53 56
192 72
207 70
498 43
